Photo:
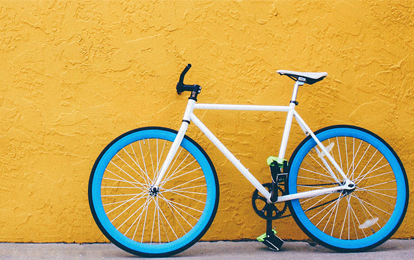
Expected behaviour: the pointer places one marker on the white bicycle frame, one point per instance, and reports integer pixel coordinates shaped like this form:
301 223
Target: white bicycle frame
345 184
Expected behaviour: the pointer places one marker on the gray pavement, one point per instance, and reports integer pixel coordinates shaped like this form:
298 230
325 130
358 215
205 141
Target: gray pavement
392 249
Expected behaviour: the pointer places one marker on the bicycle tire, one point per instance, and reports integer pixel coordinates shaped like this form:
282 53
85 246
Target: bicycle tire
349 221
139 221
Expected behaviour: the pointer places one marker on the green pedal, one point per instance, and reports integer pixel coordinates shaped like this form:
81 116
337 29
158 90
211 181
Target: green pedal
271 240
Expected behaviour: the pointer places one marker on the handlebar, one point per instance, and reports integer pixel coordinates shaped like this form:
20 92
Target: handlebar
186 69
181 87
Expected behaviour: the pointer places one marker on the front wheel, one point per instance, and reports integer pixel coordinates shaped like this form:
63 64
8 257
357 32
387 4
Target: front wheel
354 220
139 220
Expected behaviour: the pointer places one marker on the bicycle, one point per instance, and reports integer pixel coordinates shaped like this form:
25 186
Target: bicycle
154 191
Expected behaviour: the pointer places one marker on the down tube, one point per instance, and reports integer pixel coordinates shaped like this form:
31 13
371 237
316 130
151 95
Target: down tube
230 156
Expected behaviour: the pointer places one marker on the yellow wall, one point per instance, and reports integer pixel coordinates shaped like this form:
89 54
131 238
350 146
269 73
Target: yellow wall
76 74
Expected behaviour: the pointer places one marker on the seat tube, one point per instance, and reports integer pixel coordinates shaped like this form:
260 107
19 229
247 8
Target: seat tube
289 119
177 142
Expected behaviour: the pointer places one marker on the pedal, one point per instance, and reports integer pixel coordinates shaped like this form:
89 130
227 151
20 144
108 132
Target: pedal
271 240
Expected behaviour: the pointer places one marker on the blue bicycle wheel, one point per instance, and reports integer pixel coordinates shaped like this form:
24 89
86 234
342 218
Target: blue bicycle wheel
147 223
355 220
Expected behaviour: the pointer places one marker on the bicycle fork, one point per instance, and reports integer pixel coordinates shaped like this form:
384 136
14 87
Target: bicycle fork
174 148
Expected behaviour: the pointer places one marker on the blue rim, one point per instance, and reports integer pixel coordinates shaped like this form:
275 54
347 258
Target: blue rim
400 207
153 249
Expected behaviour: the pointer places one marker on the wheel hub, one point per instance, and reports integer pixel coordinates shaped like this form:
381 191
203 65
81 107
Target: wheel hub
153 191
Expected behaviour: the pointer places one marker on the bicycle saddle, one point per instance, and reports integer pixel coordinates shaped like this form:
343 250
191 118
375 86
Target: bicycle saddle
307 77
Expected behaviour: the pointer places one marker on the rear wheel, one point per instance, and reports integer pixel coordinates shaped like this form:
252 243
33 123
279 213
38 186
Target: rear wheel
350 220
149 223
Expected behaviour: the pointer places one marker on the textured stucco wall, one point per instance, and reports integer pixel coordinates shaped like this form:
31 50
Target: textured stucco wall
76 74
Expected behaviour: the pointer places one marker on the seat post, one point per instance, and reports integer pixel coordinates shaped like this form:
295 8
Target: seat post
295 90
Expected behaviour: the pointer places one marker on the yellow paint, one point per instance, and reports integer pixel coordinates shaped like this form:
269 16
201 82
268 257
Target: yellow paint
76 74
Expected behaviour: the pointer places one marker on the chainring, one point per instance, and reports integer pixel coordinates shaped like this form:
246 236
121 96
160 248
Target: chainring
268 210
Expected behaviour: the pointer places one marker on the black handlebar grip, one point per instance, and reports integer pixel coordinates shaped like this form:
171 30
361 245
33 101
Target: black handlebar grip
183 73
180 84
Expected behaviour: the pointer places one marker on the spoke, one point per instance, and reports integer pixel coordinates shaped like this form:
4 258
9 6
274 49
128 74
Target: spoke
378 175
382 201
143 159
173 211
137 219
378 184
139 196
336 213
152 162
359 223
145 219
344 221
170 171
320 165
369 161
311 207
316 180
177 209
163 225
188 188
371 171
378 193
182 195
153 221
122 170
190 192
136 161
144 206
159 224
119 187
352 217
346 153
139 174
333 209
327 177
178 169
196 179
121 180
165 218
169 179
365 205
353 159
360 159
118 195
182 205
329 203
122 212
159 157
353 154
339 152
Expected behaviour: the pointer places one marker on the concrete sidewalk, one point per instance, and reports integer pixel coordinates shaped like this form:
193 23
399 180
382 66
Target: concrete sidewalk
392 249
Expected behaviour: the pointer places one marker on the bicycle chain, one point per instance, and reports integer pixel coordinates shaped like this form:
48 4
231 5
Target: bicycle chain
264 212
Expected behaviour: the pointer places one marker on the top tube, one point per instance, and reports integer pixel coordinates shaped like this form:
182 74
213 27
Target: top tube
242 107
